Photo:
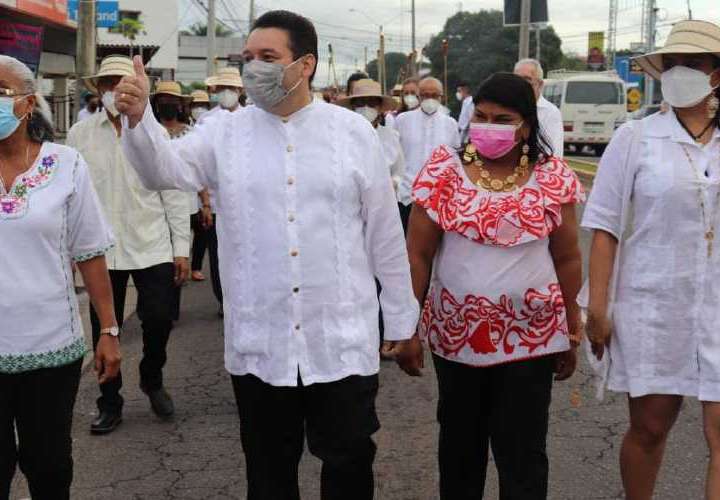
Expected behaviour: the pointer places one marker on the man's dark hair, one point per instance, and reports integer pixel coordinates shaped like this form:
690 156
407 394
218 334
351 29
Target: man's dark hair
513 92
300 30
463 84
354 78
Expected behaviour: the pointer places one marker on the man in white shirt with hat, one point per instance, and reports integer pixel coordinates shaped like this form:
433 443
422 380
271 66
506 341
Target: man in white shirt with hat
549 115
152 240
226 89
422 130
307 219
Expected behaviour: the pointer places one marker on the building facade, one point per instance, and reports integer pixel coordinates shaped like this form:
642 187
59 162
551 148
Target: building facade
192 56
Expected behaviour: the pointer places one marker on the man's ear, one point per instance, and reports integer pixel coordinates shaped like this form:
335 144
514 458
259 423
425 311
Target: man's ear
309 64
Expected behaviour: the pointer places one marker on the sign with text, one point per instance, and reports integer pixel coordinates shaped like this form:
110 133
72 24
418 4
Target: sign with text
538 12
22 41
596 50
107 12
52 10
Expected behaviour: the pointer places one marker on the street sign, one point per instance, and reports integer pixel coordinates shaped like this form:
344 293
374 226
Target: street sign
538 12
107 12
596 54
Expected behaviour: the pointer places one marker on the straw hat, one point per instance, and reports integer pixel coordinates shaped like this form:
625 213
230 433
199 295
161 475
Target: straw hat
228 77
110 66
170 88
200 96
686 37
367 88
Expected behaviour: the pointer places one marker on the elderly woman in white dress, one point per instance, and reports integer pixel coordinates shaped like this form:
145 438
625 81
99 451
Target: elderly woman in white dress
655 259
49 218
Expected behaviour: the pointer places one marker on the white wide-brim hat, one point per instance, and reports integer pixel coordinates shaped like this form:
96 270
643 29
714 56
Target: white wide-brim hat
110 66
367 88
686 37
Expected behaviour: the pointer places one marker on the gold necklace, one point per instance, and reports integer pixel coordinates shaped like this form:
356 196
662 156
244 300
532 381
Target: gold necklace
708 226
486 181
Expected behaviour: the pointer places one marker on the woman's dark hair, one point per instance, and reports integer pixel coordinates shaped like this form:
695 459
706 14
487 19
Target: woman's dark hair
300 30
39 127
512 92
354 78
716 65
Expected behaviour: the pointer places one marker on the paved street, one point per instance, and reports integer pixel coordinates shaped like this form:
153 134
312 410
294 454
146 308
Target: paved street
198 455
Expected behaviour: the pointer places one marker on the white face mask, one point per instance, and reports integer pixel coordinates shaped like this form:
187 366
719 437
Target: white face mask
108 100
411 101
198 112
430 106
683 87
228 99
368 112
459 97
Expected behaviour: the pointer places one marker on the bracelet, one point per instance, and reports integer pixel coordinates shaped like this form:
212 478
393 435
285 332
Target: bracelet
206 206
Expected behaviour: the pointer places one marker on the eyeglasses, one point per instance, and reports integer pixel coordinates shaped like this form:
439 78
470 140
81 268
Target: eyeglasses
10 92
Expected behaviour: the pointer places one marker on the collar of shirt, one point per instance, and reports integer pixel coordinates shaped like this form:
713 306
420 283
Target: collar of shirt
667 125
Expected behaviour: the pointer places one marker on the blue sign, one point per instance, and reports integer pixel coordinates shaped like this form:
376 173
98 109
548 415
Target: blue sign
623 65
107 12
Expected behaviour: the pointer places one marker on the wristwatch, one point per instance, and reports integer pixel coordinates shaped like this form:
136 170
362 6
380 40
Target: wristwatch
113 331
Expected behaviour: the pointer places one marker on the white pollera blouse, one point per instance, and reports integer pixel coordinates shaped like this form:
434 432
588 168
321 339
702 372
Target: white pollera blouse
49 218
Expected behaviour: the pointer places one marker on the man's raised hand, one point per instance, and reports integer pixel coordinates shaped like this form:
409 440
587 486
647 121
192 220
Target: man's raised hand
131 94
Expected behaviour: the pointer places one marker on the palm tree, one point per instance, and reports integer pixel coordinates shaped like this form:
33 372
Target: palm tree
200 29
130 29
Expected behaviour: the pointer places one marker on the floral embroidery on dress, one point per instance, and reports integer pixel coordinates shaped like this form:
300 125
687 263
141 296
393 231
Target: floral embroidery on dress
487 327
14 204
502 219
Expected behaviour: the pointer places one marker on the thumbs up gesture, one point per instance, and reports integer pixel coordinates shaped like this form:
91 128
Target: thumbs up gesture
131 94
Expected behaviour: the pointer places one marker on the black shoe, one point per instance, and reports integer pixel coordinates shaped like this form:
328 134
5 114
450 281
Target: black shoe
161 402
105 423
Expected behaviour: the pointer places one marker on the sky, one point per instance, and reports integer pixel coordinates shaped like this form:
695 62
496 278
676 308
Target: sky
350 25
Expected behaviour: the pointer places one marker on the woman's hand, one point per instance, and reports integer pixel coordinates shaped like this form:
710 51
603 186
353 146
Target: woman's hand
206 217
565 364
107 358
409 356
599 331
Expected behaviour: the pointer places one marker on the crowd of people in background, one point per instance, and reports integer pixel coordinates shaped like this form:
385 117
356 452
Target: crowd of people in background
345 229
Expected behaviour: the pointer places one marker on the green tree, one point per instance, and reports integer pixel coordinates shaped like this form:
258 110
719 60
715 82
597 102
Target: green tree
130 29
396 66
200 29
479 46
573 62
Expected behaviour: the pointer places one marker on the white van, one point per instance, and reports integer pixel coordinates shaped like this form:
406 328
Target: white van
593 105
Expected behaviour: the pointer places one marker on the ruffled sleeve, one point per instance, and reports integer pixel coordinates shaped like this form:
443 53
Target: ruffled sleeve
559 183
438 186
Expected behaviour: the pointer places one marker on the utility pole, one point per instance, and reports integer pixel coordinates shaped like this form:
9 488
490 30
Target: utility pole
651 17
524 45
366 61
538 40
251 16
85 49
210 38
381 62
612 33
413 64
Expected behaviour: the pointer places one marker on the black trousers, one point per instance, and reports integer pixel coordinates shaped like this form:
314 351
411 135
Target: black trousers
199 243
339 419
155 307
40 405
504 407
405 215
214 265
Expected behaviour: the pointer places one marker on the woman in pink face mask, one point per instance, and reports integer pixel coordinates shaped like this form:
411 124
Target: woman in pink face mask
494 257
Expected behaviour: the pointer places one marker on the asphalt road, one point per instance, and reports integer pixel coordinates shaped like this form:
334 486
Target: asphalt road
198 454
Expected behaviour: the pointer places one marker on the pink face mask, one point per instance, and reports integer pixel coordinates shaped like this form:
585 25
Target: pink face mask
493 140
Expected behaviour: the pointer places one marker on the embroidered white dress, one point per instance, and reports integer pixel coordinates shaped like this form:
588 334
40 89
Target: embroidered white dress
494 296
666 319
49 217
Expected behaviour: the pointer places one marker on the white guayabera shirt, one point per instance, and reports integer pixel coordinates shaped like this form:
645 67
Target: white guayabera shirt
420 135
307 219
151 227
392 152
551 123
